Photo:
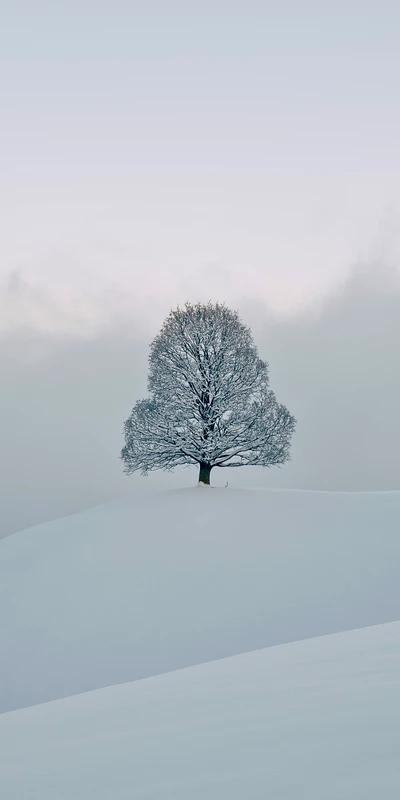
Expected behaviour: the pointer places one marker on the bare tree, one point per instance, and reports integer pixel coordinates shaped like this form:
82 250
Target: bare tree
210 402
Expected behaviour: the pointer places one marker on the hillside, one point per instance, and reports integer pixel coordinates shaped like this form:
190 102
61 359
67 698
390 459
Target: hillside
314 719
156 582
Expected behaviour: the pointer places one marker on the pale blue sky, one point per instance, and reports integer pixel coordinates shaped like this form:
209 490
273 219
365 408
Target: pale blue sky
159 151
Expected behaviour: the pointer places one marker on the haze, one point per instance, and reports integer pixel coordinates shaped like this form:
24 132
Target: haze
159 152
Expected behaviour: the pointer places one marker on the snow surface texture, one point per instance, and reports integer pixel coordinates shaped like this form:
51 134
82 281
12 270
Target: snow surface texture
317 719
153 583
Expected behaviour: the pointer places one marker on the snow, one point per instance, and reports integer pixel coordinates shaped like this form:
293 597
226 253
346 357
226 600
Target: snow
160 581
317 719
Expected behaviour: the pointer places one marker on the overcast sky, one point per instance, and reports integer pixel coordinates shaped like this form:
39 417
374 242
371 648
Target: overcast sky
163 151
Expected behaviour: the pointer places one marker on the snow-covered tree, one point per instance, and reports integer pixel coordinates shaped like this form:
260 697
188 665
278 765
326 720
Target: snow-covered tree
210 402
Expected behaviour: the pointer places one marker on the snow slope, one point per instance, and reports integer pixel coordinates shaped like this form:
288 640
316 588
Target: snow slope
156 582
318 719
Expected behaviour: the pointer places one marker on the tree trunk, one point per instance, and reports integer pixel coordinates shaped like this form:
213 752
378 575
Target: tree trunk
204 473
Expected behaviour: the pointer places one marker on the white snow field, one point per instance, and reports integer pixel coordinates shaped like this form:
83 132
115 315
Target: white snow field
318 719
156 582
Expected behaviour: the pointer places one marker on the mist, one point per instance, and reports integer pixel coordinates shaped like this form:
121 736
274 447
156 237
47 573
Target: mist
65 397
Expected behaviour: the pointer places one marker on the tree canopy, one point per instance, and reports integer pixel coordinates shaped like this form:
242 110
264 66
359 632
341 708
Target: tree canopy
210 402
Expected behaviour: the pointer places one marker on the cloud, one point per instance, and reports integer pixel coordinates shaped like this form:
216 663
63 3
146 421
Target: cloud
65 395
337 369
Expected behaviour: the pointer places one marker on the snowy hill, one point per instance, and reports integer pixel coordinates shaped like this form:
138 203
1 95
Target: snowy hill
160 581
318 719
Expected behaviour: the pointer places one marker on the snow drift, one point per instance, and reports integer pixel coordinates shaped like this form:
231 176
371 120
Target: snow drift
315 719
162 581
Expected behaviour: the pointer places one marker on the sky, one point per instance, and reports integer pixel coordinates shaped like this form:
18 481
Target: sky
159 152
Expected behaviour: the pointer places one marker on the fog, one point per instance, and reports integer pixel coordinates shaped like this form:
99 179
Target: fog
64 397
157 153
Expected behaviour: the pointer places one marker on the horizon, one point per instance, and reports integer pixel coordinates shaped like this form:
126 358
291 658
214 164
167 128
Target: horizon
152 156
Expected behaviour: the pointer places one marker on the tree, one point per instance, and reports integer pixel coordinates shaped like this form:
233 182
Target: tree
210 403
